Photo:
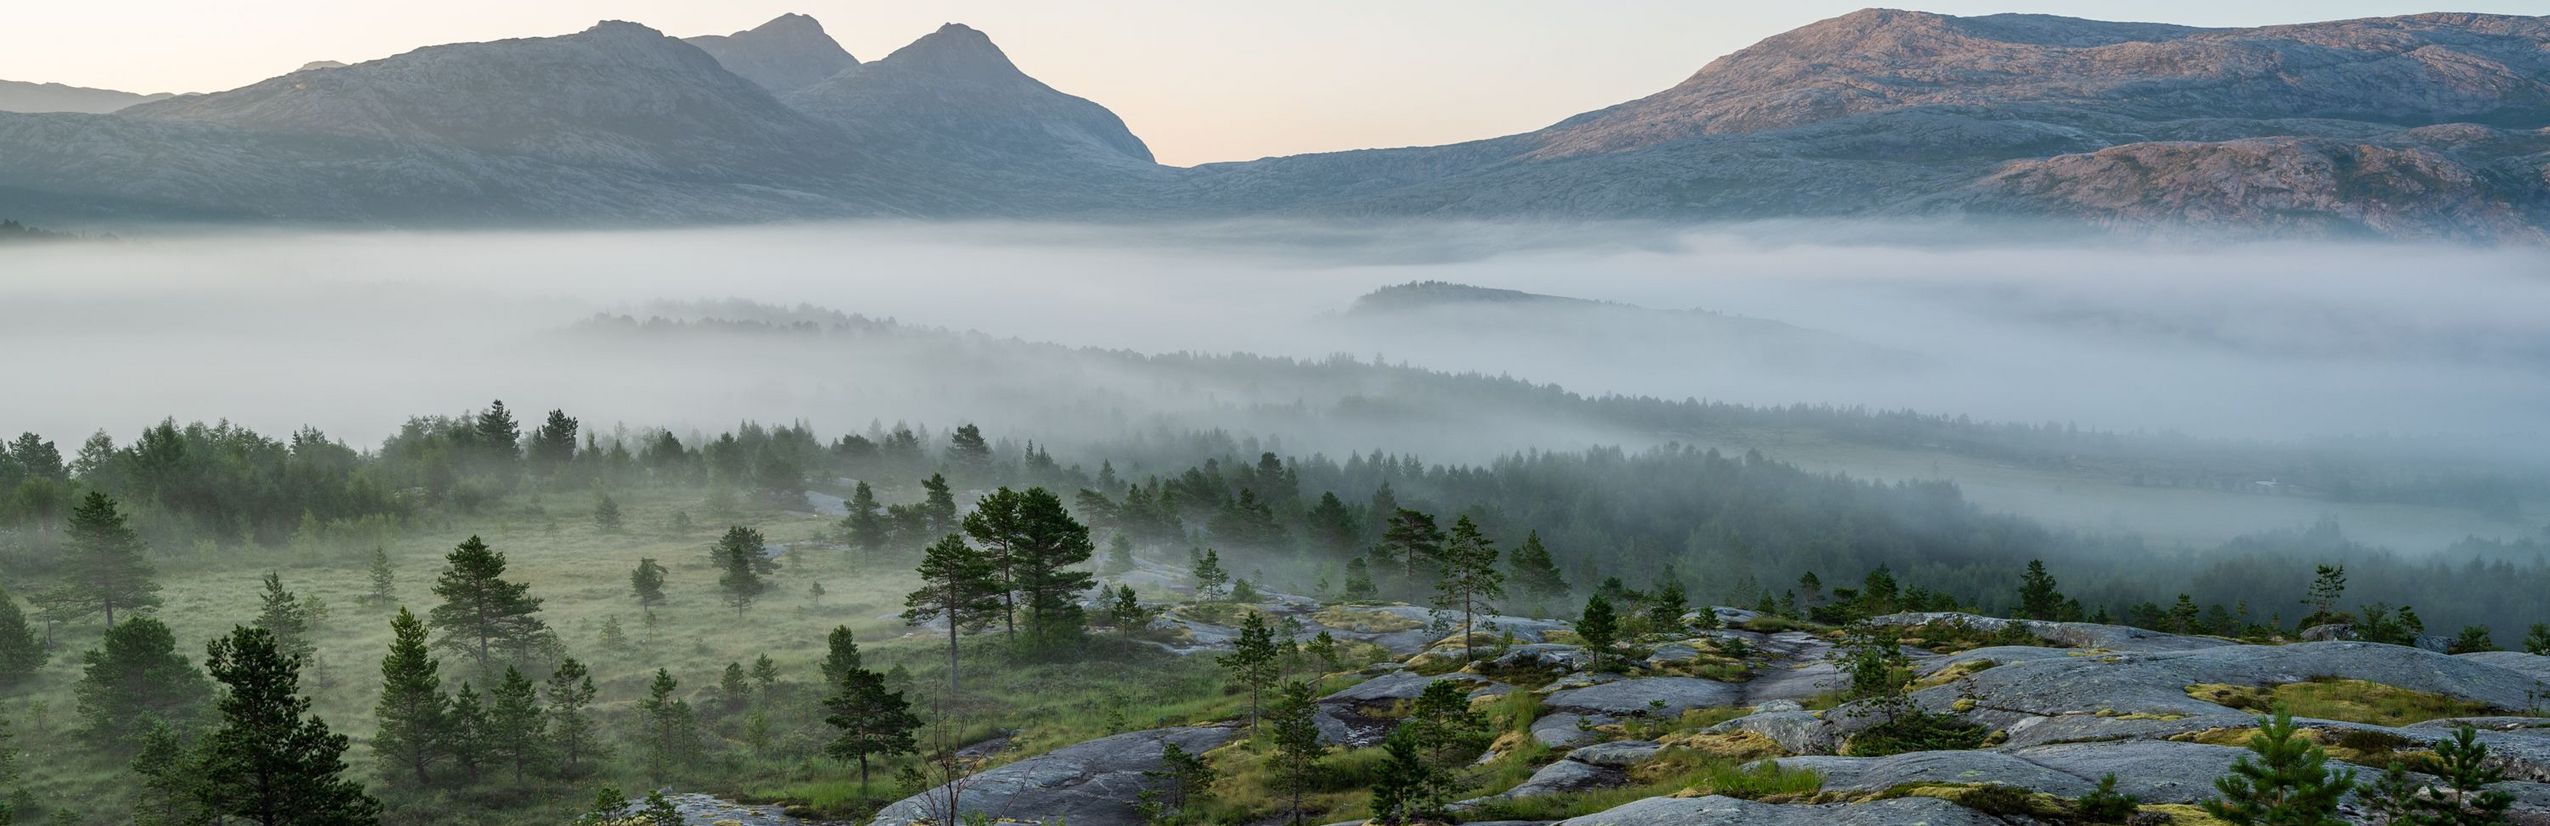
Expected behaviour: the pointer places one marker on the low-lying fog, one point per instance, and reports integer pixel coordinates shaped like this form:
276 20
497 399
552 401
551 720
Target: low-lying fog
2270 341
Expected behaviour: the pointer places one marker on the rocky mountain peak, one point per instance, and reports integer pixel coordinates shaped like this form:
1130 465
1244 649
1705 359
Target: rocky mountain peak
789 53
960 51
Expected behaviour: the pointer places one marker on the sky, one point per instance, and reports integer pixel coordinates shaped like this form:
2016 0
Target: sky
1199 82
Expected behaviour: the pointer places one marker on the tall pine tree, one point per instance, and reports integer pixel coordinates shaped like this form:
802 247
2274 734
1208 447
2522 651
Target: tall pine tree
571 729
1048 545
957 588
105 571
742 561
873 721
481 612
270 761
1470 577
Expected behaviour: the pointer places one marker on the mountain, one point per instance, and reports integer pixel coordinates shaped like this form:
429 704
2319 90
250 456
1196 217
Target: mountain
2422 126
16 96
789 53
2425 126
956 92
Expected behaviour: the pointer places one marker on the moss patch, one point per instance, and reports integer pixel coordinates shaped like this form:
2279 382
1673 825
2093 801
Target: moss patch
2353 701
1364 620
1953 673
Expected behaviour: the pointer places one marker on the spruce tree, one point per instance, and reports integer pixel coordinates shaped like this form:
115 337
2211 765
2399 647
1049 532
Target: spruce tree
384 580
1470 577
606 515
765 675
21 653
1534 572
481 611
938 504
741 563
285 617
553 443
1293 729
571 729
1442 719
841 655
134 675
466 736
1409 789
1210 579
865 527
412 706
270 761
873 721
2038 597
957 588
2326 587
1599 627
2464 800
2284 781
105 571
1253 663
517 729
670 733
1667 605
647 582
1359 584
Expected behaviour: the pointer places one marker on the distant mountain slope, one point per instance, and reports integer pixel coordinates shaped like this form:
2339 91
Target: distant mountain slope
2426 126
789 53
17 96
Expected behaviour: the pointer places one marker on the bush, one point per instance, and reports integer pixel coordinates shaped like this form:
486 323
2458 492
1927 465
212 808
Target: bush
2105 805
1916 730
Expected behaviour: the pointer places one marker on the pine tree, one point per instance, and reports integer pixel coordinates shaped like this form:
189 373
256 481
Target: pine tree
1119 554
412 706
956 587
733 687
1183 776
1209 576
517 729
2326 587
1253 662
570 728
994 528
2537 641
466 734
938 504
606 515
2465 800
553 443
1412 538
166 767
1470 578
873 722
1293 728
384 580
270 761
1599 627
1047 546
741 562
1409 789
1534 572
2038 597
496 432
841 655
21 653
136 674
967 449
481 611
647 582
284 616
1667 605
105 570
865 526
671 732
1125 612
1442 719
2473 639
765 676
2287 784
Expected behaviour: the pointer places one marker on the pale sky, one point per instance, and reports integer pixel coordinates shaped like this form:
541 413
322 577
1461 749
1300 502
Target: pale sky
1199 81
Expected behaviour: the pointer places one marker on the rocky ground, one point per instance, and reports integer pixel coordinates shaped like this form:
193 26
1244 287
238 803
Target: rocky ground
2082 701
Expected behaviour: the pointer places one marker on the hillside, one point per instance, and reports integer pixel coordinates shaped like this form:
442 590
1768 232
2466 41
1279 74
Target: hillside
20 96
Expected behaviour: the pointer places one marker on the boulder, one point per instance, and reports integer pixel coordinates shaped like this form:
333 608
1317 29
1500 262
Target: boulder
2072 634
1865 774
1617 755
1089 784
1565 776
1728 811
1662 697
2157 771
1564 730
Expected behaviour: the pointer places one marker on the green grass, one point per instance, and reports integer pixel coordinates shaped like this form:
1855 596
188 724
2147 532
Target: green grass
1673 773
581 574
2353 701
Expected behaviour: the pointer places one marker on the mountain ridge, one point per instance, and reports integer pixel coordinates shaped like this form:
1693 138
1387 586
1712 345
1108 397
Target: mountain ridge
2423 126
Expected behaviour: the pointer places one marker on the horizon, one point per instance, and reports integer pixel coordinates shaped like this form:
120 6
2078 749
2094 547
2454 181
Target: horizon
1408 74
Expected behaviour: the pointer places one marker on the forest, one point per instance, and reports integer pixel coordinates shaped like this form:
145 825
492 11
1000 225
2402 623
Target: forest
477 558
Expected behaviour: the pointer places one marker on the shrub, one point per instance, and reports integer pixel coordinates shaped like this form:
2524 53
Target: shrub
2105 805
